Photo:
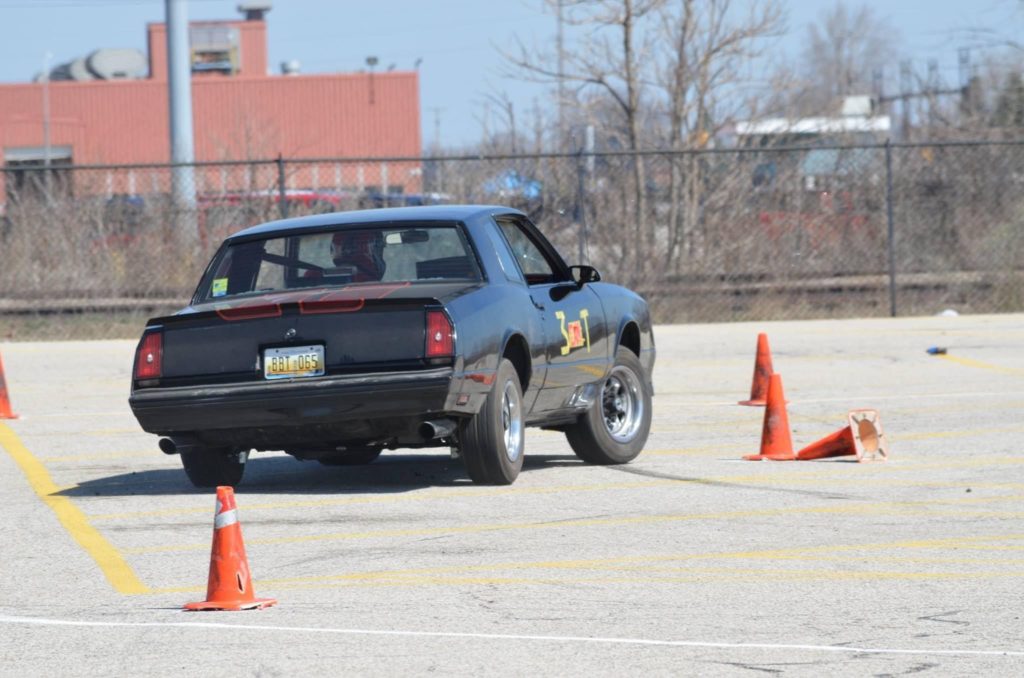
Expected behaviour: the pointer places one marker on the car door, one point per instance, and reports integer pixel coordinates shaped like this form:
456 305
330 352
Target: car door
575 331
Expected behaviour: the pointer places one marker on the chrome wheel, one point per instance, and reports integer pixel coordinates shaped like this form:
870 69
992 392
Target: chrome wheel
623 404
512 421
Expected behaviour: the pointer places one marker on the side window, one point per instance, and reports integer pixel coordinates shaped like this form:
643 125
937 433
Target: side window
508 263
532 261
271 275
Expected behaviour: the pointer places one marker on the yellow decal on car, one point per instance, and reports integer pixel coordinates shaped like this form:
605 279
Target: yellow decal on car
577 333
219 287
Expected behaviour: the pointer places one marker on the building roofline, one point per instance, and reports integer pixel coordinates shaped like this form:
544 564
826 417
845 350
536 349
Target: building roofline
817 125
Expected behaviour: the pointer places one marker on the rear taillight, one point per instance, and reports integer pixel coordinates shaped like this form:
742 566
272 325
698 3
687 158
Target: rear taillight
440 335
149 360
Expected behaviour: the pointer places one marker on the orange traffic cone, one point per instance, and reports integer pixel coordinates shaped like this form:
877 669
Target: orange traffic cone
862 437
5 402
230 583
762 371
776 443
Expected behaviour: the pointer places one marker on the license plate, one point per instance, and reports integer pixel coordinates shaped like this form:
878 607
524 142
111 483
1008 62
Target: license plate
293 361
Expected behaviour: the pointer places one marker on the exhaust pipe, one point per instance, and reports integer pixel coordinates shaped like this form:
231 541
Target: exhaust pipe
440 428
176 446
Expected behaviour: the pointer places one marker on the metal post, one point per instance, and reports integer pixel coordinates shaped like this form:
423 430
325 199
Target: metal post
47 187
179 90
583 169
891 226
580 212
282 198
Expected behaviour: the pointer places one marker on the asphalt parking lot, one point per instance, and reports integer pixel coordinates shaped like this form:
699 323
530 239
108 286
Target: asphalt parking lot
687 561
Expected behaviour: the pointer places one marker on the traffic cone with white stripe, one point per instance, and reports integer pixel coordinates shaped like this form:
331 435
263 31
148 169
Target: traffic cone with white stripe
5 402
230 583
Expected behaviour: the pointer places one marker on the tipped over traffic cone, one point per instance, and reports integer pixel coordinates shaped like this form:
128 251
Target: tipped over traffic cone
776 443
5 402
862 438
230 583
762 371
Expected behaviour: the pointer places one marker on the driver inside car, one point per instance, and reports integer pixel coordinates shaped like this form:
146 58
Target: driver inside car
360 251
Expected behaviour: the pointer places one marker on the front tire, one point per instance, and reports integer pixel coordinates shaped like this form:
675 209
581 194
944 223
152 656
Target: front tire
214 466
492 441
615 428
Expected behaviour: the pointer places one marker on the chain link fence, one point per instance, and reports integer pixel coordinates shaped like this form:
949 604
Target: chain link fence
714 235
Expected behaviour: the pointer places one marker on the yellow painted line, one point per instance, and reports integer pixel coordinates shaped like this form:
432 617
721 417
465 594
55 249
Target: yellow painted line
697 576
932 435
458 574
755 480
111 431
915 465
813 473
65 458
888 507
970 362
100 432
109 560
90 415
375 499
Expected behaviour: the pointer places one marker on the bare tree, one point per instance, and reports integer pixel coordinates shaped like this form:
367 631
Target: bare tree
610 58
843 51
708 44
493 140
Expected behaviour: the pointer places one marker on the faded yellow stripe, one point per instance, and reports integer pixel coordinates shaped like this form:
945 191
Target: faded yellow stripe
970 362
904 508
697 576
65 458
109 559
639 567
376 499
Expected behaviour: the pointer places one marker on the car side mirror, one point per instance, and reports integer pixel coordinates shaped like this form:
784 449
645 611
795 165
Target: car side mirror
584 274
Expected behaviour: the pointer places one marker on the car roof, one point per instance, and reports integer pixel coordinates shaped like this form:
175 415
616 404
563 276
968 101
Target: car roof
318 222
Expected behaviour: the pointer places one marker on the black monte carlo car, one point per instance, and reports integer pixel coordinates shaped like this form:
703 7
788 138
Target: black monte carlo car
335 336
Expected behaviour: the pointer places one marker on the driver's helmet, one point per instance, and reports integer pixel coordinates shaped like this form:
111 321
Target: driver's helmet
363 250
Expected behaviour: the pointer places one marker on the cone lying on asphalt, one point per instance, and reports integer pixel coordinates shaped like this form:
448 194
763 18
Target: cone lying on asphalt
862 438
762 371
230 583
5 402
776 443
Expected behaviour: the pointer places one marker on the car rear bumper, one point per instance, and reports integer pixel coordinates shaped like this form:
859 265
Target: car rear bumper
293 403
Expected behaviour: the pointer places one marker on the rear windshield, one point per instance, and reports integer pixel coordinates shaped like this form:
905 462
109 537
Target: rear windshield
341 257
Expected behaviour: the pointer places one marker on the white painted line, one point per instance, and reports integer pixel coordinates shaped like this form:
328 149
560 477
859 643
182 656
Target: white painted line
511 636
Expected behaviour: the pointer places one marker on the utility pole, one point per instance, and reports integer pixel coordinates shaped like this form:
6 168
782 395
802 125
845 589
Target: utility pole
905 99
437 127
46 128
436 151
179 91
931 91
560 46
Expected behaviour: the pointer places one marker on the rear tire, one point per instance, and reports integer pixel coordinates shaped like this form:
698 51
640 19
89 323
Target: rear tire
615 428
214 466
492 441
353 457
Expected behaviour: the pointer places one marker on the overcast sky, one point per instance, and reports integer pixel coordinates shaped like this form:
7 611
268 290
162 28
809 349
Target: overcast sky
454 39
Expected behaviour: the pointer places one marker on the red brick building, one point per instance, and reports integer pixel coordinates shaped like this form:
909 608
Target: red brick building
240 112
